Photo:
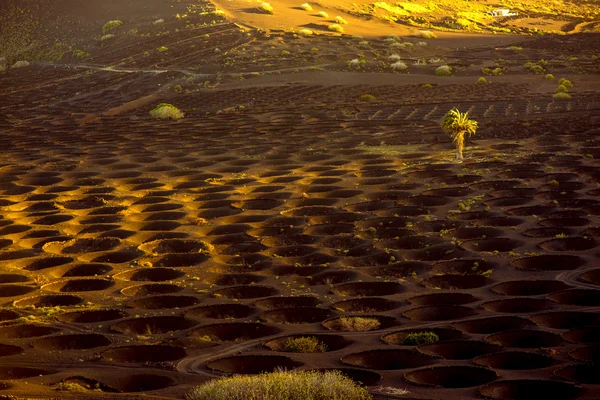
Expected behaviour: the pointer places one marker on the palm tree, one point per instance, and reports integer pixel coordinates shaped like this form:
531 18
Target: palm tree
458 124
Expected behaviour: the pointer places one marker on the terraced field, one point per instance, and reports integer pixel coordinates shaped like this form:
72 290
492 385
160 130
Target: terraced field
140 257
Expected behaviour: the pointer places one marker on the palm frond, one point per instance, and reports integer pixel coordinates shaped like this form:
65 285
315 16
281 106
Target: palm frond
457 123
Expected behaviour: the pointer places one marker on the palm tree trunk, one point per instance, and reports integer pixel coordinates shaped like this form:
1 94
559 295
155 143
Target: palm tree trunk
460 145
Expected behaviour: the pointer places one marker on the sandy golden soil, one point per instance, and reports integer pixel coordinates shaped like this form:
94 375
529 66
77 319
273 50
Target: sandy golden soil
139 258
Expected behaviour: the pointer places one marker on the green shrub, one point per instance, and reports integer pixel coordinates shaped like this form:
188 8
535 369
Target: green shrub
110 25
561 89
406 46
282 385
514 48
482 80
305 344
443 70
426 35
80 53
565 82
166 111
399 66
162 49
336 28
106 37
498 71
427 86
561 95
416 338
341 20
305 32
266 8
550 77
306 7
367 97
535 68
323 14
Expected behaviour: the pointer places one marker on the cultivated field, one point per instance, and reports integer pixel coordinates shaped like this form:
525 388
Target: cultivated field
307 192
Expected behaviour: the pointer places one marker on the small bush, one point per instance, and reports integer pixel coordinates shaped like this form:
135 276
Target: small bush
482 80
162 49
341 20
535 68
166 111
414 339
498 71
336 28
426 35
73 387
367 97
282 385
427 86
550 77
266 8
358 324
406 46
323 14
80 54
159 21
107 37
565 82
561 89
514 48
357 63
177 89
561 95
306 7
394 57
309 344
443 70
305 32
399 66
20 64
110 25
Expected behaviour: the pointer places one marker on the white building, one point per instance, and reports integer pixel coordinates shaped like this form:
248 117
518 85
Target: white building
502 12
